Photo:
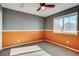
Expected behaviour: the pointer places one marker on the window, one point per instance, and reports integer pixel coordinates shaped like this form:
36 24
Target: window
66 24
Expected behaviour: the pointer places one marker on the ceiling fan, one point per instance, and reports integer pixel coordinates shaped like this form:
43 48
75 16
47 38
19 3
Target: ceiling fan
44 5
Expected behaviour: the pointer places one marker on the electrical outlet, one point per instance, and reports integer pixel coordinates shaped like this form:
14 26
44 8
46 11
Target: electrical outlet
18 41
67 42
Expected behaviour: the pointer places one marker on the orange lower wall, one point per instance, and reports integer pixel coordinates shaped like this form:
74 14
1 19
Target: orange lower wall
63 38
19 37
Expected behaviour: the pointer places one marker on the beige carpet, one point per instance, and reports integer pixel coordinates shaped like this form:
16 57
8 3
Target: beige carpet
28 51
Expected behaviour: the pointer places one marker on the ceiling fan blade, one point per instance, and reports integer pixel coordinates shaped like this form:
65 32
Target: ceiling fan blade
42 4
49 5
38 9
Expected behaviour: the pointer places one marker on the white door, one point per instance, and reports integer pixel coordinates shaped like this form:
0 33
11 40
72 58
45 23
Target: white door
0 28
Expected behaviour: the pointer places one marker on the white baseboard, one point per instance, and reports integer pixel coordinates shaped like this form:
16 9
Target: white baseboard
44 40
63 46
22 44
0 47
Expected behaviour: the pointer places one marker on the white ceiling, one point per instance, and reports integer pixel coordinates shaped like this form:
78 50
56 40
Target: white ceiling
32 7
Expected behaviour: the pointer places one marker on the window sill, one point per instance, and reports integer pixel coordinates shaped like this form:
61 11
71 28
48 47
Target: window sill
67 33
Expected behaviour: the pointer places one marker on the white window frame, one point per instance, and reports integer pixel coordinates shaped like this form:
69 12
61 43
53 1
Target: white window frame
67 32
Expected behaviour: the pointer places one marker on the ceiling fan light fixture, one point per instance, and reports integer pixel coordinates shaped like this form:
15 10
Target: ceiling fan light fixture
42 7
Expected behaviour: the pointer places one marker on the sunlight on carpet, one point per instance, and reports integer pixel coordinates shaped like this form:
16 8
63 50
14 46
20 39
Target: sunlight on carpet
28 51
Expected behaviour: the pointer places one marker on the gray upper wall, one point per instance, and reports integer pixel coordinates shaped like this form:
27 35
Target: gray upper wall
49 19
0 17
14 20
49 23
